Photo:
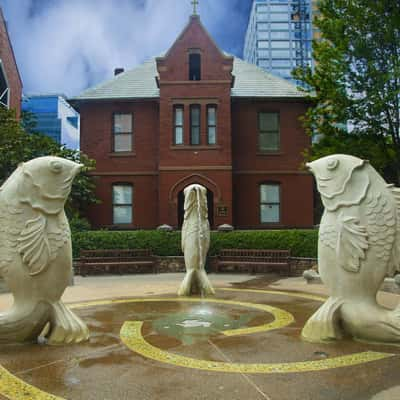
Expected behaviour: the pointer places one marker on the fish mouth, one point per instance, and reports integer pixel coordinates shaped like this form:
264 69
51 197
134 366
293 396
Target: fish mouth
325 178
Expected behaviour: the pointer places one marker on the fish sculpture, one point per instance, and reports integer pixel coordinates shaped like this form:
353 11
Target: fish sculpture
358 246
36 253
195 242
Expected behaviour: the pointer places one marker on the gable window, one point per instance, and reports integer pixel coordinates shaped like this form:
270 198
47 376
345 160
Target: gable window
195 124
194 67
123 132
212 124
178 124
269 131
122 196
270 203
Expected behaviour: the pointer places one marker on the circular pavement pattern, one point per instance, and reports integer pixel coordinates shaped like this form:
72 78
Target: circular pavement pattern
186 334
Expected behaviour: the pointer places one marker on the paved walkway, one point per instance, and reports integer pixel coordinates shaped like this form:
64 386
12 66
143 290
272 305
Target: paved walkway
107 287
105 368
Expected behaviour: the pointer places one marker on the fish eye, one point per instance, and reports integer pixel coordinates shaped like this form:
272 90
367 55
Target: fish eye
55 167
333 164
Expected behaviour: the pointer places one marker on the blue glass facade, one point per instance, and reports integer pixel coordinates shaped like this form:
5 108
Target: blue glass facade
279 35
55 118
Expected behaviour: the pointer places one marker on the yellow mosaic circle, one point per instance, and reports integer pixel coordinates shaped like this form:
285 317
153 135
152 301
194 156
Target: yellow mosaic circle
14 388
131 335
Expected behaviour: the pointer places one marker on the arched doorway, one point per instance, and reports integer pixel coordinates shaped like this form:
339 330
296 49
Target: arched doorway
210 205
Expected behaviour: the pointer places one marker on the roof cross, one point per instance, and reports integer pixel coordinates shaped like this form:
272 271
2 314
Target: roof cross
195 3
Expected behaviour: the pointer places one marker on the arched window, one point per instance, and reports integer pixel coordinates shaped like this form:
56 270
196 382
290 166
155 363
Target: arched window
122 199
270 203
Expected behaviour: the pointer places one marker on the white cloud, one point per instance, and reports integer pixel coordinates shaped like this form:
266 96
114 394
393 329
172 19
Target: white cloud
67 45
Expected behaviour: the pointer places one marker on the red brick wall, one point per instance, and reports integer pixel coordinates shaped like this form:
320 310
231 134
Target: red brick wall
97 136
296 200
10 67
245 136
139 168
145 201
251 168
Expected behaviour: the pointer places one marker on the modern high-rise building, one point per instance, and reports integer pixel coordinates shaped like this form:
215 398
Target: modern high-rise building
279 35
54 117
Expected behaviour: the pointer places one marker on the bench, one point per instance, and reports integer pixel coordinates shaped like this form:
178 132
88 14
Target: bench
92 262
254 260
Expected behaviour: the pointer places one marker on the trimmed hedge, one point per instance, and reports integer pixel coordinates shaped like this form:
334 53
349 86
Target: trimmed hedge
302 243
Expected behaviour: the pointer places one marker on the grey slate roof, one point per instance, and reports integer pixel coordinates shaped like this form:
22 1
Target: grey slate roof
140 83
252 81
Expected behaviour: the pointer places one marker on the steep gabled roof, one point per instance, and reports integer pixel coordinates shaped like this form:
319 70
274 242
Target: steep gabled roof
194 19
140 83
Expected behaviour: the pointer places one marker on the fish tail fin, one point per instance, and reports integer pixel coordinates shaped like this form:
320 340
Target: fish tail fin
204 283
25 325
196 282
324 326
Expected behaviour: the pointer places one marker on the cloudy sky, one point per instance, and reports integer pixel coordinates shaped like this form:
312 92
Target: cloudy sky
65 46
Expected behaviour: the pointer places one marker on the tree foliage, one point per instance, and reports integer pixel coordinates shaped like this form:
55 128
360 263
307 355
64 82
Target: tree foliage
17 145
355 85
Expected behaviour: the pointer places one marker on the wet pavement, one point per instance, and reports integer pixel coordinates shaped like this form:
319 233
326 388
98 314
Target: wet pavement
161 347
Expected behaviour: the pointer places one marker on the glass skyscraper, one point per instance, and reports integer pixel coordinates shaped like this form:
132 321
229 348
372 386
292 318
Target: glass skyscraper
279 35
54 117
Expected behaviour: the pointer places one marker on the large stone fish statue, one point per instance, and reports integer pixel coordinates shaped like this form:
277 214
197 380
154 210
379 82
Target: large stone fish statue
35 252
195 242
359 245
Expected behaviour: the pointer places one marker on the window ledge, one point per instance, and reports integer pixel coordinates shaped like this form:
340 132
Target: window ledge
195 147
122 154
270 153
272 225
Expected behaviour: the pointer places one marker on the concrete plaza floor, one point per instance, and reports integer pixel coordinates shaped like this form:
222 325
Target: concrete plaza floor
243 344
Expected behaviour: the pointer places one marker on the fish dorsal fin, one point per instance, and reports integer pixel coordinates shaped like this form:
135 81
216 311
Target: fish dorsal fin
352 244
33 245
395 260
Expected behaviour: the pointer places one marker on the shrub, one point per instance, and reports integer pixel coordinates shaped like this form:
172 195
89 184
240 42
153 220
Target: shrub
302 243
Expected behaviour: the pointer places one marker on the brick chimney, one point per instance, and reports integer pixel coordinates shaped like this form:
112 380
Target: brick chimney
118 71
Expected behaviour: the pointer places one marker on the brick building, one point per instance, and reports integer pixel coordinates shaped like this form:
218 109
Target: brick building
197 115
10 80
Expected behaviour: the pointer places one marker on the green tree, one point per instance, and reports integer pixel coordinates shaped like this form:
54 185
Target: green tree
356 82
16 145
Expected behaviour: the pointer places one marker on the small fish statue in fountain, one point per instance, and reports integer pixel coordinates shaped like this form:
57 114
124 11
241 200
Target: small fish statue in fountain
359 245
36 254
195 242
